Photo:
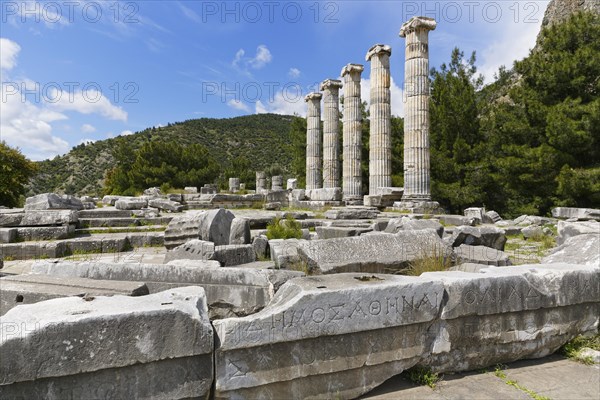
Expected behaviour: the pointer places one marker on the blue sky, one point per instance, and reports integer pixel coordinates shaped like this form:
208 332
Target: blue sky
75 71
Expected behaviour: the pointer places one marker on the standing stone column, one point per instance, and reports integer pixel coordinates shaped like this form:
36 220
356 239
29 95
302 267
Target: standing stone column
261 182
352 133
380 141
314 179
331 133
416 109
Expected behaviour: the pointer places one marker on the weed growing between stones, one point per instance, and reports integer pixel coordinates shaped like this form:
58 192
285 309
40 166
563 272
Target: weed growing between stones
574 348
289 229
429 263
499 372
301 266
423 376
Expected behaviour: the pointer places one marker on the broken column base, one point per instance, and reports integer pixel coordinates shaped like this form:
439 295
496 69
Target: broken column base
384 197
418 207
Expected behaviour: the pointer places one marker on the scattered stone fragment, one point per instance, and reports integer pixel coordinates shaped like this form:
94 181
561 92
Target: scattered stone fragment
240 231
131 203
491 217
261 247
167 205
274 206
532 231
581 249
482 236
396 225
579 213
383 253
52 201
352 212
570 229
476 213
284 252
481 255
331 232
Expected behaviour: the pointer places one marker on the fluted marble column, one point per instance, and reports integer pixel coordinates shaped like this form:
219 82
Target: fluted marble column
380 141
352 133
331 132
416 109
314 178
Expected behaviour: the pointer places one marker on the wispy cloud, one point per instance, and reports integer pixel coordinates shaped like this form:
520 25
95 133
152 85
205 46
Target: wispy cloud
242 63
294 73
238 105
87 128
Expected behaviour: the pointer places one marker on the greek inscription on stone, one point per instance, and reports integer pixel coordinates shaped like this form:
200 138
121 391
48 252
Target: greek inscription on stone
318 315
375 307
357 308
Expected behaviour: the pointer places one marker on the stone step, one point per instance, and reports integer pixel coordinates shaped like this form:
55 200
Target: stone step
122 222
105 212
93 244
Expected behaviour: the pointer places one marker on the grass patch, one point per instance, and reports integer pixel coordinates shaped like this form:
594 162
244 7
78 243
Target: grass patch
573 348
301 266
9 258
288 229
429 263
423 376
547 241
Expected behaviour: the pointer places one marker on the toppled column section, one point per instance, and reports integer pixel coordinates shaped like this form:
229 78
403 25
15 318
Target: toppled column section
416 120
156 346
331 134
342 334
213 225
380 141
314 178
352 134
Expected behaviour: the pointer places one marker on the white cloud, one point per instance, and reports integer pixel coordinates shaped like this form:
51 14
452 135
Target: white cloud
294 73
238 57
260 60
28 125
8 55
126 133
287 102
238 105
260 108
88 101
87 128
189 13
510 42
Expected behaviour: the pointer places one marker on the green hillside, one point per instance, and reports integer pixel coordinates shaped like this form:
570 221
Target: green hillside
262 138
